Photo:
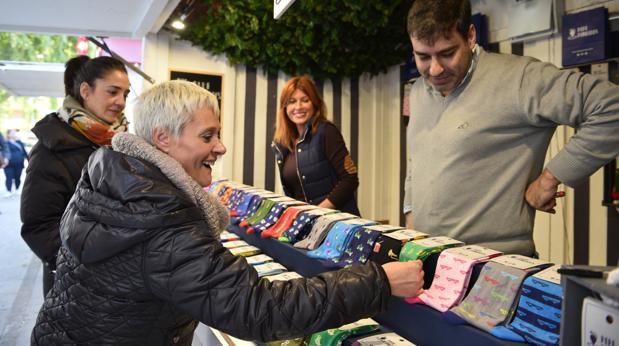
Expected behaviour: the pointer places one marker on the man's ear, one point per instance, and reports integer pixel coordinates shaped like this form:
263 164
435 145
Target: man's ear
84 90
472 36
161 139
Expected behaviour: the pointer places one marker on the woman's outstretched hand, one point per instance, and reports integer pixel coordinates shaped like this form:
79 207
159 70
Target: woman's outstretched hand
405 278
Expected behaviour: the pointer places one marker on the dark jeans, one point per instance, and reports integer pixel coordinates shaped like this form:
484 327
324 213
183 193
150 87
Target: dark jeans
13 175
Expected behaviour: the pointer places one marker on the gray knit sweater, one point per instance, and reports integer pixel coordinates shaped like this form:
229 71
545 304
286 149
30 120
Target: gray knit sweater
474 152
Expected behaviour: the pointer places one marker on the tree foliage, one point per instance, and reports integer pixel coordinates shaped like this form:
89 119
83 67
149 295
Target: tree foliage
327 39
38 48
24 111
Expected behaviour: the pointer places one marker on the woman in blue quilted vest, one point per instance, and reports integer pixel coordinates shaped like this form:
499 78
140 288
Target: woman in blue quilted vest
313 161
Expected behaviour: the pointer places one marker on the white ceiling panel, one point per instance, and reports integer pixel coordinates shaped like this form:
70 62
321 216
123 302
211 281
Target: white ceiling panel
32 79
112 18
109 18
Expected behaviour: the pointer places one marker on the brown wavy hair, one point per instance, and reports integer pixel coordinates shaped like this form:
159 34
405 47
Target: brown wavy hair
285 130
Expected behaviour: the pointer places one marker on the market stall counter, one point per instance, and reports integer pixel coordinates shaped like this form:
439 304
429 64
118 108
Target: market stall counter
418 323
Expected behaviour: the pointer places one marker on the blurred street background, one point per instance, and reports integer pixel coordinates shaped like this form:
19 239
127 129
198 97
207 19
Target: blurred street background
21 291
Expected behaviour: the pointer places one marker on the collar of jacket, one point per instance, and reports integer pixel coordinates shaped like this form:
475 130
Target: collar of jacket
307 132
214 212
56 135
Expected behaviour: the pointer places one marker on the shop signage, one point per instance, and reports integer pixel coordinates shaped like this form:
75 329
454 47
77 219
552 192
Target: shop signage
585 36
209 81
280 6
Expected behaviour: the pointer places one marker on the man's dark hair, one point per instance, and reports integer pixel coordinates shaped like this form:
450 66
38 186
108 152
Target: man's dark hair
429 18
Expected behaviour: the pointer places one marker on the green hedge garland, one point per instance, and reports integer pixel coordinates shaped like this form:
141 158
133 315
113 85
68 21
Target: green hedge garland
327 39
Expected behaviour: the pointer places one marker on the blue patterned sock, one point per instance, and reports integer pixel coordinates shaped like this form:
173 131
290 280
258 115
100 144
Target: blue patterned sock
538 316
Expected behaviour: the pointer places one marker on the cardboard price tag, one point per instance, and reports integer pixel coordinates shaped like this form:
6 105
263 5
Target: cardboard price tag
384 228
437 241
339 216
519 261
228 236
474 252
321 211
283 276
360 323
234 243
245 251
550 274
258 259
406 235
359 222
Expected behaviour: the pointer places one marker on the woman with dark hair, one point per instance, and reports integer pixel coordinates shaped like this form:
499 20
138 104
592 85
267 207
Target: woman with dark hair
91 113
313 161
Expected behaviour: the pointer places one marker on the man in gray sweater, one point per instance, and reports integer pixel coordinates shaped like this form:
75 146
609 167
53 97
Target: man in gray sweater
479 129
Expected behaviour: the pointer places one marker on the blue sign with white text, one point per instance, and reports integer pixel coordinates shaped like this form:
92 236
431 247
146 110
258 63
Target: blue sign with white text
585 36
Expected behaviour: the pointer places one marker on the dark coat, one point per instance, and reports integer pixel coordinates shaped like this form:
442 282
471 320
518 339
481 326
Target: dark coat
54 168
18 153
5 153
318 177
139 265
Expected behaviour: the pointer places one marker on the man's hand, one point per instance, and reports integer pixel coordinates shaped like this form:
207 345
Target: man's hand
408 220
405 278
542 193
4 162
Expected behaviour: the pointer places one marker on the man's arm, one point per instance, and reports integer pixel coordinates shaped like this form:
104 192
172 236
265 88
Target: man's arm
549 96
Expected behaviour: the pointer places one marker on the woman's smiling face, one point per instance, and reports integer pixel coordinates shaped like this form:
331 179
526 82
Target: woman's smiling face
299 109
198 146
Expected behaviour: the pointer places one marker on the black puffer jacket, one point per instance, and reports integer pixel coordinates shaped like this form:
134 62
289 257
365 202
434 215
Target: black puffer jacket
139 264
54 168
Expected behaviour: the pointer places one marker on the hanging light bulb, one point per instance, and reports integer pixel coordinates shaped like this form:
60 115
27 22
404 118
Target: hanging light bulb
179 24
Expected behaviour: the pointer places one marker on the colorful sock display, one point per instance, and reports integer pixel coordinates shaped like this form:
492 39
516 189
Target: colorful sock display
285 221
491 300
337 238
273 216
538 316
358 249
262 211
320 229
242 205
383 339
334 337
422 248
254 202
451 277
303 224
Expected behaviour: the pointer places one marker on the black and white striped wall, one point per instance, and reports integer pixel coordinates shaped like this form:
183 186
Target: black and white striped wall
366 111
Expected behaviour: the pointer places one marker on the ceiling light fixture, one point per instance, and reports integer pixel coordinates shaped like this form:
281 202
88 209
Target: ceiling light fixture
179 24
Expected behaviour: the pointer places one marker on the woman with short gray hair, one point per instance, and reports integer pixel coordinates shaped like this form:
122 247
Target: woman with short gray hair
141 262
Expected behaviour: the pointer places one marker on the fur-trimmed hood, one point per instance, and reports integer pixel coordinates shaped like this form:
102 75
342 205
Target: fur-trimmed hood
127 196
132 145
